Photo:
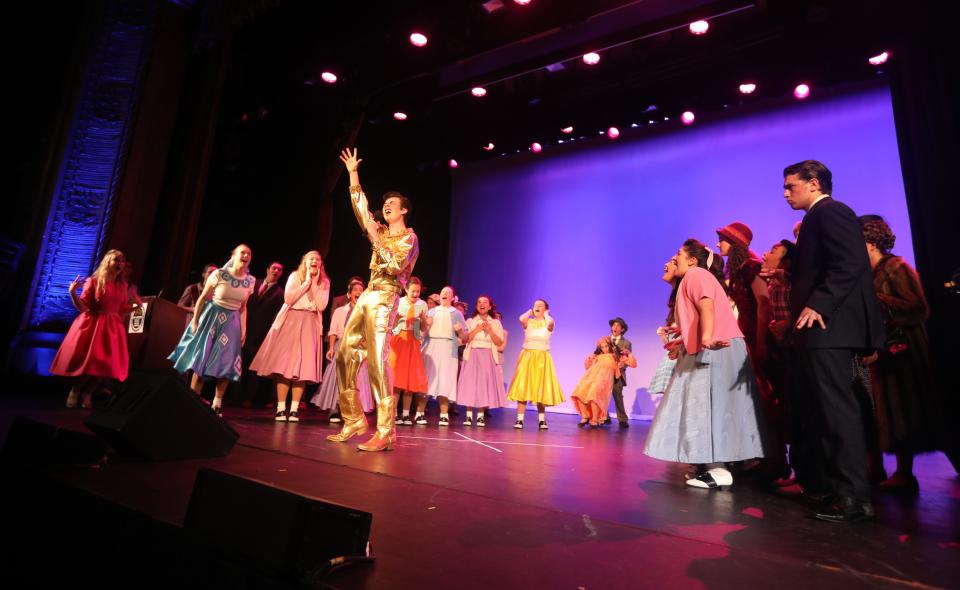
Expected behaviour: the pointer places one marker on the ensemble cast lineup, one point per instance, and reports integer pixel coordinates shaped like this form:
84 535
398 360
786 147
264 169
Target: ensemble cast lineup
764 356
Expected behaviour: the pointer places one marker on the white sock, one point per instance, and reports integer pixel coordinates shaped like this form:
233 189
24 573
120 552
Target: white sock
294 405
469 414
445 415
542 416
520 417
406 413
282 406
217 402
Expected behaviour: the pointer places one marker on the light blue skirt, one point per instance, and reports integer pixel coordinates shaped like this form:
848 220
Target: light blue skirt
710 412
214 351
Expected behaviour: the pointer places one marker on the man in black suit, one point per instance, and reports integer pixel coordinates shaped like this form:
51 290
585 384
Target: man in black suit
618 330
262 307
836 315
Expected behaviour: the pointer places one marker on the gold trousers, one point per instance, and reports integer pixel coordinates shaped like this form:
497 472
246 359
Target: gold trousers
366 336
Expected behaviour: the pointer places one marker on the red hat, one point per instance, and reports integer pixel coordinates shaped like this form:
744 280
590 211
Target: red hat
736 233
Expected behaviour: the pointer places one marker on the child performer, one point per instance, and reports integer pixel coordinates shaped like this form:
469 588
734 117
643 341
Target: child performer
481 384
292 350
95 347
710 413
445 324
406 358
211 344
591 396
394 255
535 379
328 394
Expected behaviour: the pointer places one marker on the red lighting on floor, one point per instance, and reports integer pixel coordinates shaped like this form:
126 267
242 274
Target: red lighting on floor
591 59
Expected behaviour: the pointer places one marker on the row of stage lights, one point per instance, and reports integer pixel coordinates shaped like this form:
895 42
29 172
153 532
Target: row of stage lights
417 39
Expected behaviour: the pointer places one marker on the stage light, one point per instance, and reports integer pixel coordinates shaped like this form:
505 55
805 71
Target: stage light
688 117
747 88
400 116
329 77
478 91
633 125
880 59
699 27
591 59
567 130
522 2
489 147
613 133
452 163
650 122
802 91
536 148
418 39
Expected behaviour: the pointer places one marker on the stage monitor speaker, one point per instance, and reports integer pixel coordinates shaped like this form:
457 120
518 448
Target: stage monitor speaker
154 415
273 531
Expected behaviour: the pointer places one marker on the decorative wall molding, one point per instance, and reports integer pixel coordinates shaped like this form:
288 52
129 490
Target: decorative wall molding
81 207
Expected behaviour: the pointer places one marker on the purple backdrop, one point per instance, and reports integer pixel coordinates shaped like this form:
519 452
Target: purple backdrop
587 226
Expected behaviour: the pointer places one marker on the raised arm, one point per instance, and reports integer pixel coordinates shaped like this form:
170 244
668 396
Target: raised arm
525 317
358 199
81 302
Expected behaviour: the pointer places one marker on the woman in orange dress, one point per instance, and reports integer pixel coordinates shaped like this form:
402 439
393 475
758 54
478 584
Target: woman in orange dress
406 359
591 396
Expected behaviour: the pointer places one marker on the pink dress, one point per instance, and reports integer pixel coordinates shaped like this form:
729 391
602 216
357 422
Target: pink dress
96 343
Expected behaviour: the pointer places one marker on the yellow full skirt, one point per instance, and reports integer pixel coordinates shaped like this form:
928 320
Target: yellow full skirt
535 379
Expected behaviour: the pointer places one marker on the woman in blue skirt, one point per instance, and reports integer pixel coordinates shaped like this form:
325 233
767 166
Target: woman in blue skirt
211 344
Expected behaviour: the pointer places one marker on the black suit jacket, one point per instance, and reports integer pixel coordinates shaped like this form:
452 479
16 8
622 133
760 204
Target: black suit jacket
261 311
831 274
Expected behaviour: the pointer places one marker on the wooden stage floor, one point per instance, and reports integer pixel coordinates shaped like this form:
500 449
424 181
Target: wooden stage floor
495 507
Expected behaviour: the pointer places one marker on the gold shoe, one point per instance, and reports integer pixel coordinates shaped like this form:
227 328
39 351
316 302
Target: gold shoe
376 443
349 431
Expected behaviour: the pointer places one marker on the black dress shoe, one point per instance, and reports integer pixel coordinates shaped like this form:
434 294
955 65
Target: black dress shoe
845 510
624 425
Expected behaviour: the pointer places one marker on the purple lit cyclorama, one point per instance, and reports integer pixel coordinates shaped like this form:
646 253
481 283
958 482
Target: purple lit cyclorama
588 226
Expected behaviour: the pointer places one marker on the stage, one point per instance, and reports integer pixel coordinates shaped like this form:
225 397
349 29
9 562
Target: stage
495 507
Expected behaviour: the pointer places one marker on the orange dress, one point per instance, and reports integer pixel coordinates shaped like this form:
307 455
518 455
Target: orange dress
591 396
406 360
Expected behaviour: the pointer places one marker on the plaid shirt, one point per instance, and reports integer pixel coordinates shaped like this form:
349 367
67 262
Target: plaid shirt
779 301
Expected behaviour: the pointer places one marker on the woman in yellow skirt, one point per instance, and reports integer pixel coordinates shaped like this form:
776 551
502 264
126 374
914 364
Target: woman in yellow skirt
535 379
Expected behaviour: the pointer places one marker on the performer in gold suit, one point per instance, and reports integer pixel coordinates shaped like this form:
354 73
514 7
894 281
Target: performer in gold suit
368 329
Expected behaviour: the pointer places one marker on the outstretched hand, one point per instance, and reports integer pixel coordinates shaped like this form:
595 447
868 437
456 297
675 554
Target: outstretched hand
350 159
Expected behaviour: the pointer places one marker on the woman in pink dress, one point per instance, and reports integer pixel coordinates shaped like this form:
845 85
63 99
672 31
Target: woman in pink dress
591 396
292 350
95 347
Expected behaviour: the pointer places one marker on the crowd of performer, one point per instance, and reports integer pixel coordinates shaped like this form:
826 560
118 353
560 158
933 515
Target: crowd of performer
808 362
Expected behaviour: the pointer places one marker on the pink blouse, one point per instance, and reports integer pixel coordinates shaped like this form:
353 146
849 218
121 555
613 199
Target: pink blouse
698 284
